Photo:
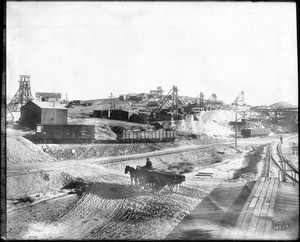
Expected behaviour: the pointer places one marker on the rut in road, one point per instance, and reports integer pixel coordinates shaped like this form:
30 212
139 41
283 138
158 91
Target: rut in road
115 211
95 208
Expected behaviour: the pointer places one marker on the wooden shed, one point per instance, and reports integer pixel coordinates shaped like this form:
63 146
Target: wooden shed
35 112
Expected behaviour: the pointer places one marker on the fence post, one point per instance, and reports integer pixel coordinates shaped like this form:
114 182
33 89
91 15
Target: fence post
279 175
294 176
284 170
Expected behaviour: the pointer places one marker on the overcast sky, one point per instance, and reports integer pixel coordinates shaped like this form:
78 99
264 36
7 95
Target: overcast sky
90 49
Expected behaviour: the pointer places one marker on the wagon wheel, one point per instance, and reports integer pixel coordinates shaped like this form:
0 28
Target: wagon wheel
174 187
156 186
142 183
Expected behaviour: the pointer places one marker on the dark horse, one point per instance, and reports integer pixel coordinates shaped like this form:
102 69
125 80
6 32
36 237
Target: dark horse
144 178
134 174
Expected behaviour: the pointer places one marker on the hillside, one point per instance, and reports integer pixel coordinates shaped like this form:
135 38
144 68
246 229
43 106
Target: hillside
282 105
105 104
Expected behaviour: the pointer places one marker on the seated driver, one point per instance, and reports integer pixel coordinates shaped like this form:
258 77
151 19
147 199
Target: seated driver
148 164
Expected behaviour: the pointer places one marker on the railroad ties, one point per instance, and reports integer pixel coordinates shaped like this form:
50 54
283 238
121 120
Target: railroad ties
223 204
263 209
255 220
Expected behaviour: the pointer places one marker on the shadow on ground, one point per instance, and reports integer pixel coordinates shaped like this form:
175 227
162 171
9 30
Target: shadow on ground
104 190
114 190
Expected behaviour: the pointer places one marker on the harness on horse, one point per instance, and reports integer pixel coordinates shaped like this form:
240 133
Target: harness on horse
133 174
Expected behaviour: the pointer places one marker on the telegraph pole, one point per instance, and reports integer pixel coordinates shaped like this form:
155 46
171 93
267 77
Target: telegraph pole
111 104
235 128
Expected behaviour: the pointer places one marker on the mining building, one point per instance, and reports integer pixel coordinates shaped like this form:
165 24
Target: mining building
34 112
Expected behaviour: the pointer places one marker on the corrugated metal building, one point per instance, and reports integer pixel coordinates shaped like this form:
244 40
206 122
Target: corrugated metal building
35 112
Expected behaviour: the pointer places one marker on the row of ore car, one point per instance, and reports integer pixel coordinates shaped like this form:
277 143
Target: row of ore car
254 132
87 133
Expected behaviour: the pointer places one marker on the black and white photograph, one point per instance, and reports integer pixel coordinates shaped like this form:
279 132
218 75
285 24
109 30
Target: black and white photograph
150 120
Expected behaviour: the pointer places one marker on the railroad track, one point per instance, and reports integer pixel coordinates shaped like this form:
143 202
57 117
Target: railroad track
266 172
158 153
26 169
289 169
282 157
285 168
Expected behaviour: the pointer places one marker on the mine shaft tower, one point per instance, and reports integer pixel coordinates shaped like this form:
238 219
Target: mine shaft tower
173 100
22 96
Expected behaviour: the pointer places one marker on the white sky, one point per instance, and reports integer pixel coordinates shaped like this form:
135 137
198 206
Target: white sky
90 49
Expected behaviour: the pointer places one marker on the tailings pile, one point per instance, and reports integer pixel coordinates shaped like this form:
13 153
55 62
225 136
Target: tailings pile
21 150
210 123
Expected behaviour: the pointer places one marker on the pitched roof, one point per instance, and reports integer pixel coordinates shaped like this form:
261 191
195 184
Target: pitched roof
51 105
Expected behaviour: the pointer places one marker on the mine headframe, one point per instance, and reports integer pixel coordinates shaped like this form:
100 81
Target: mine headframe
195 106
22 96
239 100
171 102
199 102
210 103
157 93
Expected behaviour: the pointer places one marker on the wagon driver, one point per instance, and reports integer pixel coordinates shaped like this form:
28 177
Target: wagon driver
148 164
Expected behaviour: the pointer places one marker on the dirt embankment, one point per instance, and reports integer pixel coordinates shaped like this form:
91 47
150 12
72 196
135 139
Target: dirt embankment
94 201
79 151
41 181
21 150
106 206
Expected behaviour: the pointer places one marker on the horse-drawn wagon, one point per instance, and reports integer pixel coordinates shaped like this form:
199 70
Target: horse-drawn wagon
156 179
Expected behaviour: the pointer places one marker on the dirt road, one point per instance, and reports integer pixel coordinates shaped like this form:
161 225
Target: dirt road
93 199
22 169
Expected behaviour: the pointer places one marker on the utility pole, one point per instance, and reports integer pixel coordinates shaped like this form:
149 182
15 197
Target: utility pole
111 104
239 100
175 100
235 128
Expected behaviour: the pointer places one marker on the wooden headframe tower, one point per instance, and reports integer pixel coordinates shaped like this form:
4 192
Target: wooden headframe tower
22 96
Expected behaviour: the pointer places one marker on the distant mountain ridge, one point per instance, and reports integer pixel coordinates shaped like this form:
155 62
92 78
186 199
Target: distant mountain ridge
282 105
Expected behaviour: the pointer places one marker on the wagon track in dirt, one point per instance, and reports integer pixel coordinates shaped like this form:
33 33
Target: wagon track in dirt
110 209
114 211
